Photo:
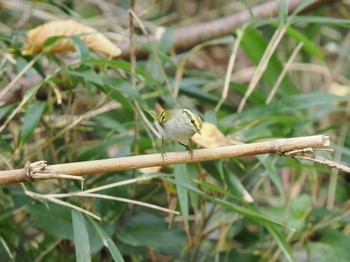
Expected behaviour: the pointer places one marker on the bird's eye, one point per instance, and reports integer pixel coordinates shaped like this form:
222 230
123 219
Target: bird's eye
192 121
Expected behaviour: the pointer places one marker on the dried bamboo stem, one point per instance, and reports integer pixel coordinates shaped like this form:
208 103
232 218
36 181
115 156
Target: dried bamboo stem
40 171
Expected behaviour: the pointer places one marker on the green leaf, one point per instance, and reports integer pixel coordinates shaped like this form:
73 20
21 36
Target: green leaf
321 252
108 242
335 243
88 74
116 95
81 237
216 189
95 151
301 207
126 90
282 243
4 110
232 185
32 117
152 231
81 47
254 46
295 215
322 20
235 186
192 176
271 172
283 10
180 172
5 146
53 219
51 40
124 66
308 45
166 41
289 104
192 87
31 92
248 213
304 4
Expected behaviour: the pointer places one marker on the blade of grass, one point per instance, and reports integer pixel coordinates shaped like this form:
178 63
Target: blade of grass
81 237
108 242
282 243
180 172
284 105
27 96
248 213
308 44
260 52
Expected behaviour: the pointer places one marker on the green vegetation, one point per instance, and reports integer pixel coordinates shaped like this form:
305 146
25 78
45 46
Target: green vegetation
82 106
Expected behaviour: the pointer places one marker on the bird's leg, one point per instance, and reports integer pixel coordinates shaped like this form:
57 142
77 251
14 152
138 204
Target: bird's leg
163 152
189 148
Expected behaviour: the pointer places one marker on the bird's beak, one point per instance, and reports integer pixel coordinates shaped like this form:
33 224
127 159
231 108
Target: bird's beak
198 131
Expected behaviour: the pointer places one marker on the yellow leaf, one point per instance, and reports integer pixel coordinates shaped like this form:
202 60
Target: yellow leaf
94 40
211 137
339 90
150 170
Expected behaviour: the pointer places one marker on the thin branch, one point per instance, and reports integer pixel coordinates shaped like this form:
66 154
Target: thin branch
60 202
14 80
342 136
76 120
324 161
284 72
270 49
121 199
108 186
55 198
149 40
229 70
277 146
6 247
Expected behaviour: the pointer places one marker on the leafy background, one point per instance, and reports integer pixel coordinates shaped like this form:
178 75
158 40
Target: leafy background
82 106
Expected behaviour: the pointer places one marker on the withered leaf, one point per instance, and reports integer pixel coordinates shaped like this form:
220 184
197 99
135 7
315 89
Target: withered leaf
93 39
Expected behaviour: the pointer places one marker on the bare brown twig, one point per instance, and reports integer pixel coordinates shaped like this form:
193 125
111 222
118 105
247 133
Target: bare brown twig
278 146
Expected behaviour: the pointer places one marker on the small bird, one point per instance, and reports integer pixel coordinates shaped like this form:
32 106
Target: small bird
177 125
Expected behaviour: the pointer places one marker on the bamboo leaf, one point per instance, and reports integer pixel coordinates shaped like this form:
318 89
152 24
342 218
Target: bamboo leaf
81 237
180 172
282 243
108 242
248 213
32 117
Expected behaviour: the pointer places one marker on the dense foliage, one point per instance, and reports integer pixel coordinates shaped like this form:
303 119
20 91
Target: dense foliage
82 106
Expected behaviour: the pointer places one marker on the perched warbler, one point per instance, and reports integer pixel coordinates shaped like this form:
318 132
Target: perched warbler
177 125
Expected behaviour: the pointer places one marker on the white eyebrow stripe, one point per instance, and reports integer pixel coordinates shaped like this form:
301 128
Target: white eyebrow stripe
192 117
189 113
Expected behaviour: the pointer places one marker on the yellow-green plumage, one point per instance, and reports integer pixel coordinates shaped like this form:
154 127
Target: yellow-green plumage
178 124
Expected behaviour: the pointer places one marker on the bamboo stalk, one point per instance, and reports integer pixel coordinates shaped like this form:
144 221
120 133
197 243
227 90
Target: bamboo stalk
40 171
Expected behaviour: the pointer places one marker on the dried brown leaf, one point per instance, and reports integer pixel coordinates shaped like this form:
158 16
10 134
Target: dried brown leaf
93 39
211 137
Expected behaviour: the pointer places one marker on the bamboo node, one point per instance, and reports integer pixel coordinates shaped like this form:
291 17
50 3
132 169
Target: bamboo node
30 169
